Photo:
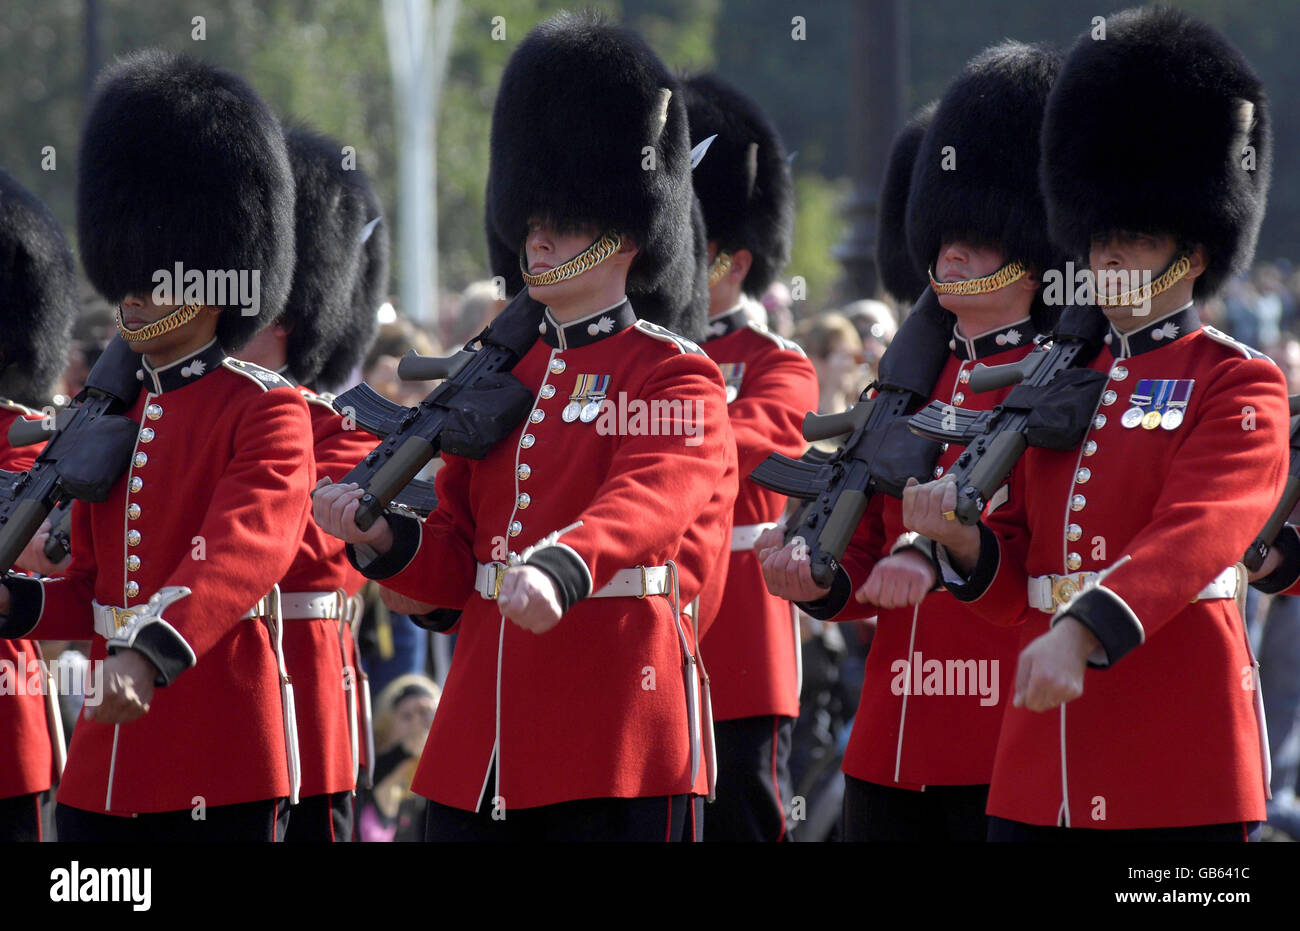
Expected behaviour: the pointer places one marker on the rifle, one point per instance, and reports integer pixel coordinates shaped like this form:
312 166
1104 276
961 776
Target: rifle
476 404
89 451
1051 405
879 453
1258 550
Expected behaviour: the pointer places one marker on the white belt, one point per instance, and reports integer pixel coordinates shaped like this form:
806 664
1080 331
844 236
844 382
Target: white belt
298 606
1049 592
639 582
745 536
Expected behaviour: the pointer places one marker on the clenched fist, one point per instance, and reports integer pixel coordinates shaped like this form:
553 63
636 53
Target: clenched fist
898 581
128 689
786 568
334 508
528 597
924 507
1050 671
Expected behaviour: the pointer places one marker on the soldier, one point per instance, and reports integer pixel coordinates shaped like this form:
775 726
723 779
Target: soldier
920 755
333 225
38 281
571 710
1136 715
744 188
183 174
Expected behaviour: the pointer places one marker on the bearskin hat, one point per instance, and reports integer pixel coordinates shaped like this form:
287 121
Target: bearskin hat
38 296
977 164
1163 127
369 289
743 181
590 127
900 277
183 162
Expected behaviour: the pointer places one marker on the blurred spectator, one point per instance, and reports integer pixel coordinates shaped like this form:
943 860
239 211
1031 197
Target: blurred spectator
479 304
380 367
1239 311
876 324
777 301
1275 307
835 350
404 712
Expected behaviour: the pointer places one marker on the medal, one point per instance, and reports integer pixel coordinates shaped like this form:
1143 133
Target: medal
1132 417
732 373
585 402
1172 419
591 410
571 411
732 393
1150 420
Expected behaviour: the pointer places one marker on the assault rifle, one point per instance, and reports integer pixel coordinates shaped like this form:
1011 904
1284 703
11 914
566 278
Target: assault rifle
879 453
1258 550
1051 405
478 402
88 452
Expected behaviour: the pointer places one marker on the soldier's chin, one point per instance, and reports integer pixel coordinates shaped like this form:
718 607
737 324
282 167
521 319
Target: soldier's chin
968 303
561 291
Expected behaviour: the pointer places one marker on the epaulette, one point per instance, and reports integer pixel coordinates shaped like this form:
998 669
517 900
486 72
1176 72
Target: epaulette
323 398
256 374
1220 337
668 336
787 344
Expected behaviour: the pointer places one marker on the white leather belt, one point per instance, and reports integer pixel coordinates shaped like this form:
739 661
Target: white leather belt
745 536
1048 592
298 606
639 582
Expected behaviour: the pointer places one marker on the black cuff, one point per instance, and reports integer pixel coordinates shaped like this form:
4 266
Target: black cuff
439 620
833 602
1111 621
161 644
1288 571
986 567
406 540
26 602
570 574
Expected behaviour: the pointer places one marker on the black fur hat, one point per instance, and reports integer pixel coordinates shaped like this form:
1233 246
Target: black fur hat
369 288
900 277
1163 127
743 182
977 165
590 127
183 162
38 296
330 211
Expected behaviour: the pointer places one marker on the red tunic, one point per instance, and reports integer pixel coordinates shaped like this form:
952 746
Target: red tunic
936 678
752 651
597 706
24 726
315 656
1167 736
219 489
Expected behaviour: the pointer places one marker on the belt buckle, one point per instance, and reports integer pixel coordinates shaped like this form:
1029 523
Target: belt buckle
499 574
1064 587
121 616
645 582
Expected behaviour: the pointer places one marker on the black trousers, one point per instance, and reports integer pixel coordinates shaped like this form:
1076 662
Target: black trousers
887 814
247 822
20 818
1001 829
321 819
753 779
659 818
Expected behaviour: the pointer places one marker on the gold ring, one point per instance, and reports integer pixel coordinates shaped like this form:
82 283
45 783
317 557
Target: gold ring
949 515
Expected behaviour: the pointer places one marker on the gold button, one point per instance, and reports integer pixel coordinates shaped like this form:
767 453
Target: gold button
132 563
1108 398
133 537
958 398
964 376
133 510
548 391
516 528
1073 561
1090 447
153 411
140 459
523 500
523 471
1083 475
1099 421
136 483
1119 373
132 588
1077 502
938 471
538 415
527 440
557 366
1073 532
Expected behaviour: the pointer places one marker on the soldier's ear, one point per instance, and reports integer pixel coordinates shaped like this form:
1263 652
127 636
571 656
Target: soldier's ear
1197 256
629 246
742 260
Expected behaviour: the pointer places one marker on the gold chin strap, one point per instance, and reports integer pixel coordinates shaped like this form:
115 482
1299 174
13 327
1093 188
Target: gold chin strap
177 318
1007 274
587 259
718 270
1167 280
